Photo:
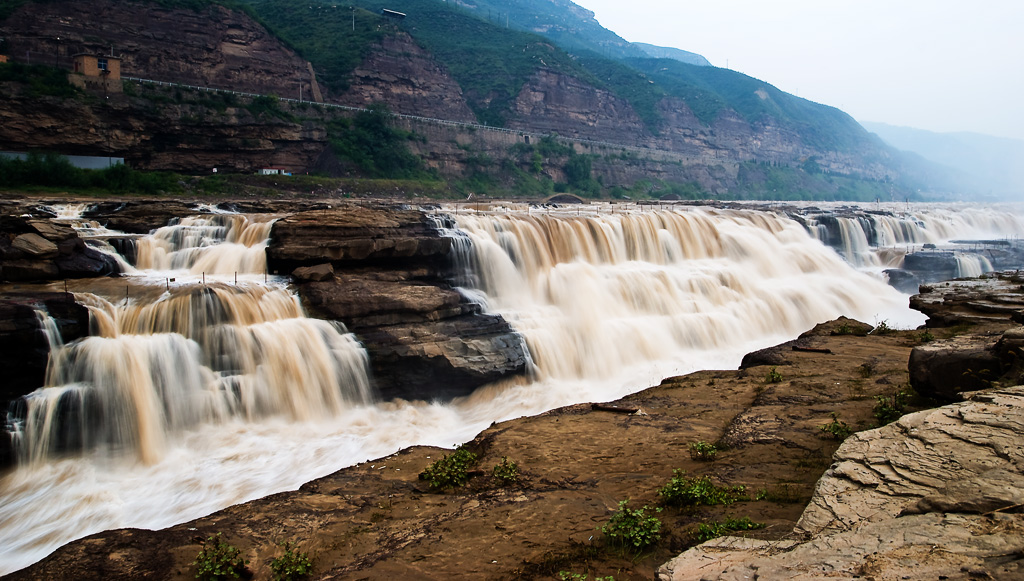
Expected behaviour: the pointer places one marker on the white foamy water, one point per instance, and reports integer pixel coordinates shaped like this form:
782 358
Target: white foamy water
876 241
608 304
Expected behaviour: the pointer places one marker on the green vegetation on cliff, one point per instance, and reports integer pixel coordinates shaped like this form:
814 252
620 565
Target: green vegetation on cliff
371 142
41 80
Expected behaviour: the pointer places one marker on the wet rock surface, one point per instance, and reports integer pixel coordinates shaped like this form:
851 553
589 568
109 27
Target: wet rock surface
35 249
24 349
390 288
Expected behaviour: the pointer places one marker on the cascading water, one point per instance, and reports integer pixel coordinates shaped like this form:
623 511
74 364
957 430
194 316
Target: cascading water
971 265
881 239
168 363
607 303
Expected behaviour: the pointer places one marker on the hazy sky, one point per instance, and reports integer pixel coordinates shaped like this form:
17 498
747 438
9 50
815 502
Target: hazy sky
937 64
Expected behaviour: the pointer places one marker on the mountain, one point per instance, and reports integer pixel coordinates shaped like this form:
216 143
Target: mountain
662 52
639 125
994 164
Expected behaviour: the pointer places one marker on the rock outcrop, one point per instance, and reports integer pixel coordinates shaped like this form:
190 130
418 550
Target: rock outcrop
33 250
388 287
946 368
24 348
934 495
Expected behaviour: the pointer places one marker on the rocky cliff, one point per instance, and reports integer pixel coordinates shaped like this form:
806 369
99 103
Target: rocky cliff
211 47
220 48
186 135
400 73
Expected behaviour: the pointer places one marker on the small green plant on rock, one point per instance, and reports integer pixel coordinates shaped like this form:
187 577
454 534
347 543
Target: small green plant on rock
698 490
570 576
633 527
836 429
889 408
843 328
715 529
218 560
882 328
451 471
291 565
702 451
925 337
506 471
773 376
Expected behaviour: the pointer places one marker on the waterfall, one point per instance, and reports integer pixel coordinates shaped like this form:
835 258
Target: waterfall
881 238
971 265
594 295
222 393
173 359
212 244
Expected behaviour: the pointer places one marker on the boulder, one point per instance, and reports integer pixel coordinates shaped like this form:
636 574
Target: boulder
922 498
318 273
943 369
34 245
425 340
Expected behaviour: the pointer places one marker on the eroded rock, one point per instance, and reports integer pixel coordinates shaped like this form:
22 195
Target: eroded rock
920 498
389 287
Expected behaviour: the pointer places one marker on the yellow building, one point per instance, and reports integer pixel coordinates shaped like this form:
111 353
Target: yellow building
96 72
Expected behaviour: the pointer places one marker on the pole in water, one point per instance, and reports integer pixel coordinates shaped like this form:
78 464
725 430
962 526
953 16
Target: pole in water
236 278
126 294
204 278
168 285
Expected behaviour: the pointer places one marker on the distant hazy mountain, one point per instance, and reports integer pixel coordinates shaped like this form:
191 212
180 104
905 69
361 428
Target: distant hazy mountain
663 52
995 163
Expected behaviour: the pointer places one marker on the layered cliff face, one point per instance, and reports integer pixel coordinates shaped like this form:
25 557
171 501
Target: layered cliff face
184 137
213 46
552 102
406 77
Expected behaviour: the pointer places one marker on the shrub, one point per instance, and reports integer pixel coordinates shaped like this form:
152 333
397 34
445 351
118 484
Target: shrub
836 429
926 337
890 408
703 451
291 565
218 560
773 376
634 528
698 490
506 471
451 470
715 529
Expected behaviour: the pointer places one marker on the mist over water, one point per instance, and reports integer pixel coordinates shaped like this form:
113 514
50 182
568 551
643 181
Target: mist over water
607 303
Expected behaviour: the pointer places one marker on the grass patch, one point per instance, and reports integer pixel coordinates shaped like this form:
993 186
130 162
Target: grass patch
715 529
685 491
